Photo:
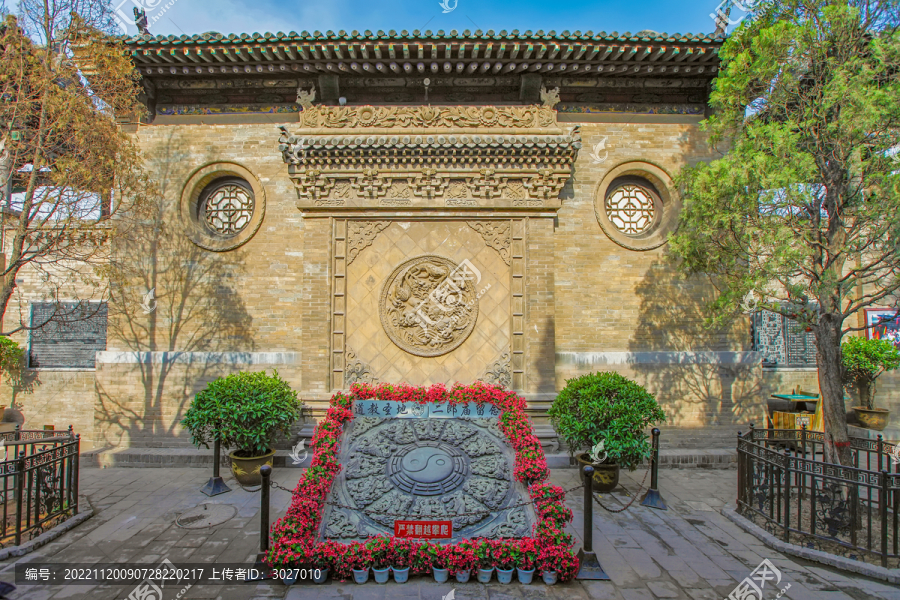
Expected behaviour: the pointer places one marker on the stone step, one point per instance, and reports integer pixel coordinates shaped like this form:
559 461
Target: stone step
721 458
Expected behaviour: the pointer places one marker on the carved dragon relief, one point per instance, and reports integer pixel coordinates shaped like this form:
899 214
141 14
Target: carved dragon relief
347 117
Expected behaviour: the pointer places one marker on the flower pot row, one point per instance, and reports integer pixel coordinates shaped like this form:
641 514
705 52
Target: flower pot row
442 575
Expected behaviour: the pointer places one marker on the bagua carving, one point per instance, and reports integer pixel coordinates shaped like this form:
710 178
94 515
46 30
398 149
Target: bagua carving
497 235
490 492
361 235
429 116
365 491
377 445
401 433
364 465
427 507
364 424
456 433
478 446
515 525
428 429
459 503
394 502
494 466
340 526
429 305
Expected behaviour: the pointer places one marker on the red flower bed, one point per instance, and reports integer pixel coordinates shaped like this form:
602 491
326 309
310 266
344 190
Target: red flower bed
294 535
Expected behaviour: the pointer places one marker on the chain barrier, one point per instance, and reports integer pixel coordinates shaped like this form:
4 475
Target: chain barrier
633 498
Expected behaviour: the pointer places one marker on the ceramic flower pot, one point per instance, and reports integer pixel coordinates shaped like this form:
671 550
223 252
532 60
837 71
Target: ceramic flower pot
606 475
484 575
505 575
525 575
400 575
463 576
440 575
875 418
549 577
246 470
381 575
320 575
360 575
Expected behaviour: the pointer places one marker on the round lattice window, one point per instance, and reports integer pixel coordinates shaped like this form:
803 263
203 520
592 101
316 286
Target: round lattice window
632 208
222 206
227 205
636 205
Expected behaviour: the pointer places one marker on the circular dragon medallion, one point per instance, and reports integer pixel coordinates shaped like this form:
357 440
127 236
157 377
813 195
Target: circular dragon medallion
429 305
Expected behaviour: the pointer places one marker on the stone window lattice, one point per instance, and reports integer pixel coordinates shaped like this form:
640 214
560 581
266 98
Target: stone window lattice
631 208
227 206
782 342
73 334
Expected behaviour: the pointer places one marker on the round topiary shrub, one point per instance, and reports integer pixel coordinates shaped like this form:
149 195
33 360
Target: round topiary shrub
246 411
610 408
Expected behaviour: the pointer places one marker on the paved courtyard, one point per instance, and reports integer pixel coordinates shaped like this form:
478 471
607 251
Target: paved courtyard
688 552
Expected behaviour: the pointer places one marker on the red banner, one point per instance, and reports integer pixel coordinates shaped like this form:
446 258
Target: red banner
431 530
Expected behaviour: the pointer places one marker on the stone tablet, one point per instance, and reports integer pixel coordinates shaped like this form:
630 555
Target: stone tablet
427 468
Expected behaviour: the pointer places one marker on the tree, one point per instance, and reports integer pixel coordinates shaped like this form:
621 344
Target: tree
803 207
73 177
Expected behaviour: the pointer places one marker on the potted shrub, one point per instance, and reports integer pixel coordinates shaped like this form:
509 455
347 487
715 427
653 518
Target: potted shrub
439 561
322 557
524 554
245 411
462 560
864 361
380 551
555 563
609 408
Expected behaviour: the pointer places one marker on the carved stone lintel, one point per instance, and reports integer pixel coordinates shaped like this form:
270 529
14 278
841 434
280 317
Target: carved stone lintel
360 235
499 372
371 184
496 234
346 117
356 371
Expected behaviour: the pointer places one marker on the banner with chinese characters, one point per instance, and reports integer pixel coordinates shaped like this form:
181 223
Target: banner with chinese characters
432 530
411 410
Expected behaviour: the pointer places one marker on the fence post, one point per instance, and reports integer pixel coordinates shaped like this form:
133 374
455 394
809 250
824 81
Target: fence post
740 474
589 567
20 492
266 472
883 497
787 496
652 497
77 462
216 485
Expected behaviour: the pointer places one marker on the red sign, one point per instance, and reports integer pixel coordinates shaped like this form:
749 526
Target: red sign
423 529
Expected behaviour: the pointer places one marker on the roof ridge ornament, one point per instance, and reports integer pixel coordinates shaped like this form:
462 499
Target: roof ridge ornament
549 98
305 99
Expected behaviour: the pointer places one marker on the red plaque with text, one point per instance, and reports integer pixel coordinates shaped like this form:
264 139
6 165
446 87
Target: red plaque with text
432 530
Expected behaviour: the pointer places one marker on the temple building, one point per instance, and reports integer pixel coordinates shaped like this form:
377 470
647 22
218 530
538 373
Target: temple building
421 207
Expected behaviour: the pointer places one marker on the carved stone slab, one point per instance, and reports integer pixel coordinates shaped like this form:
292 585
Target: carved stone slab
425 468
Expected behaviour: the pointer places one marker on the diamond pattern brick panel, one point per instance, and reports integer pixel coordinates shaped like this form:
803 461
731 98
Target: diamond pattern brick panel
366 276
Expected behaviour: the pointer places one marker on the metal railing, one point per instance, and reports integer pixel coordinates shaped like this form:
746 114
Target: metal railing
38 482
784 483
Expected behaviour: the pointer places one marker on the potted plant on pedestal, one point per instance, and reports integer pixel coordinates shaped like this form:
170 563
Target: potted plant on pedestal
245 411
608 408
864 361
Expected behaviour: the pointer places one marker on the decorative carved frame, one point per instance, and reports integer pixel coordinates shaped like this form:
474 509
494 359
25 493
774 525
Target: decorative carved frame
669 200
190 197
347 236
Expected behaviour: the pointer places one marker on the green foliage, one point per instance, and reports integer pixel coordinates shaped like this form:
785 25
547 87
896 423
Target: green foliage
867 359
245 410
11 355
609 407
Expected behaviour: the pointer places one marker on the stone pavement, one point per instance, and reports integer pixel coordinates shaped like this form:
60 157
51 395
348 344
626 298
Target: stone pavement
690 551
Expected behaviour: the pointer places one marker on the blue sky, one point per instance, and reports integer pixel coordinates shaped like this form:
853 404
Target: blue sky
238 16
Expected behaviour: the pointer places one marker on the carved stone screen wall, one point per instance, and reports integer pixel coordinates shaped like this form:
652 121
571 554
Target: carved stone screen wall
423 465
392 343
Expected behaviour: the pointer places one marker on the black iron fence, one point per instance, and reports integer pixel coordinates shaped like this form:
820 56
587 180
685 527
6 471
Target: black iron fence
38 482
785 486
